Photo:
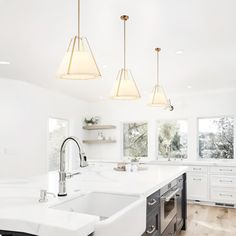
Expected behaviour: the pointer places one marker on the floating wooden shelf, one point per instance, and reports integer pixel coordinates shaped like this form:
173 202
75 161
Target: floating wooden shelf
96 141
97 127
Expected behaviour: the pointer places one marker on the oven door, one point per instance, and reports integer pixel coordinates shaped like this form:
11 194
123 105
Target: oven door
168 207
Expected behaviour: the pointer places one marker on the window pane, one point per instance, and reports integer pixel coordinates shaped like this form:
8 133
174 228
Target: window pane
135 140
172 139
216 138
58 131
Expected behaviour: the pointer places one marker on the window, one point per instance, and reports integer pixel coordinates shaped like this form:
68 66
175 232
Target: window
58 131
172 138
216 137
135 139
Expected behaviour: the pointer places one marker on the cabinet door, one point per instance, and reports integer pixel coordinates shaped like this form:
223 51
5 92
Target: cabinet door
153 223
197 186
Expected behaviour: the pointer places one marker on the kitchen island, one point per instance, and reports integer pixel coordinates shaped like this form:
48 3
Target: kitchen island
148 190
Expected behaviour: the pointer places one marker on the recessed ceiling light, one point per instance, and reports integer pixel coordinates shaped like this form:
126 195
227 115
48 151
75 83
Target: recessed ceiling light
189 86
4 63
179 52
104 66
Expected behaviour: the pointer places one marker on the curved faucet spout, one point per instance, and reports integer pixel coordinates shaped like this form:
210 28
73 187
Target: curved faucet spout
83 158
62 172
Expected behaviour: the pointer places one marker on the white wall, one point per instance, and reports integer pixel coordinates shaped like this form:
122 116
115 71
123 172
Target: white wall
188 107
25 110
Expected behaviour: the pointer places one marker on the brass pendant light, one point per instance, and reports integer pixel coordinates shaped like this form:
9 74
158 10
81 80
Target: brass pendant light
158 96
125 87
79 62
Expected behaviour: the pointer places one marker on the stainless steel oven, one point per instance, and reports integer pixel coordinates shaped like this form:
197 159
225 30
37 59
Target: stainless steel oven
168 204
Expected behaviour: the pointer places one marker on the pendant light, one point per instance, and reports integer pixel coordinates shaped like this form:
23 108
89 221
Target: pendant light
78 62
125 87
158 96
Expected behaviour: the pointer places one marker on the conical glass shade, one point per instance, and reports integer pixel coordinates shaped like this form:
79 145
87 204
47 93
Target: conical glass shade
125 87
158 97
78 62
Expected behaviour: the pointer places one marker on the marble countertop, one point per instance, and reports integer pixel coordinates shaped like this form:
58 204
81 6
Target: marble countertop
198 163
21 211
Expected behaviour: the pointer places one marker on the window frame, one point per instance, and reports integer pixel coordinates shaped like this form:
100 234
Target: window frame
198 132
160 157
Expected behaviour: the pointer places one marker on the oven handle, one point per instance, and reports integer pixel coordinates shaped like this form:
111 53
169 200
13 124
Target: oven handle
172 194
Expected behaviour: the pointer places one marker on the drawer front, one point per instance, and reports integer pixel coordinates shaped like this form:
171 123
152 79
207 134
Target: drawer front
223 181
223 195
202 169
197 186
153 201
223 170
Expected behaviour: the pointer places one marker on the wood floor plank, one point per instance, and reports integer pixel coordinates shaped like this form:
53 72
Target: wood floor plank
210 221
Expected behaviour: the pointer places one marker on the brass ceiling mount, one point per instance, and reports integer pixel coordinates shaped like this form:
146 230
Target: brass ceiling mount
124 17
157 49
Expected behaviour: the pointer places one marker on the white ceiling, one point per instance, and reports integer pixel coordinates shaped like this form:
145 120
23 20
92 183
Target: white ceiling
35 33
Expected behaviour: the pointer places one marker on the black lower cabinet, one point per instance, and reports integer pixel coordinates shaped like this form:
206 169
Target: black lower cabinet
10 233
153 215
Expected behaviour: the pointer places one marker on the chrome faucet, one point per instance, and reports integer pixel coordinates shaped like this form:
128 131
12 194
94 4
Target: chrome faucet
62 172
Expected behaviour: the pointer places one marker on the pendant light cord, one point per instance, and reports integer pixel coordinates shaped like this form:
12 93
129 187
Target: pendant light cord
125 44
157 68
78 19
158 50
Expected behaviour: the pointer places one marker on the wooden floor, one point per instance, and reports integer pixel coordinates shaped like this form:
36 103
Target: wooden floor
210 221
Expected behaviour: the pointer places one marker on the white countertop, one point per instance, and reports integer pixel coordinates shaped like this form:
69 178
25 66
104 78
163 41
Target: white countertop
21 211
193 163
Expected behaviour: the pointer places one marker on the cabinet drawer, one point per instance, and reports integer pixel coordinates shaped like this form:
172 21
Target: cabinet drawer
153 201
202 169
223 195
223 170
197 186
223 181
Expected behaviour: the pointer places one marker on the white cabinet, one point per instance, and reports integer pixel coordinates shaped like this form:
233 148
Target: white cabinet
198 169
223 195
223 181
223 185
223 170
197 186
212 183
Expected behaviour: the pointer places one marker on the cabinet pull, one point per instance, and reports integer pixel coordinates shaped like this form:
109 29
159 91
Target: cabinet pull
153 228
197 168
225 181
152 202
226 170
226 195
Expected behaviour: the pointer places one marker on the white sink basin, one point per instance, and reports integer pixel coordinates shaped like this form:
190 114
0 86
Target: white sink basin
119 214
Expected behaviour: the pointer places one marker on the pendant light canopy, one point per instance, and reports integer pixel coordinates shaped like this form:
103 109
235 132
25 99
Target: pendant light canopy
78 62
158 96
125 87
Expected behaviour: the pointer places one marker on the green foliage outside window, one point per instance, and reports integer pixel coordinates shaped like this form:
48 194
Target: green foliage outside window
135 139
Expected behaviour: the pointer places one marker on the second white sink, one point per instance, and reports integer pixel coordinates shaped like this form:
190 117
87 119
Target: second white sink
119 214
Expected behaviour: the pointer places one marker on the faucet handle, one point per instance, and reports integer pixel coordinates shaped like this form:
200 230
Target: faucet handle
70 175
43 195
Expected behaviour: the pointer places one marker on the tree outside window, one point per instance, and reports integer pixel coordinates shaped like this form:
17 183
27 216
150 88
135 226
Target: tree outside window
135 139
172 139
216 138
